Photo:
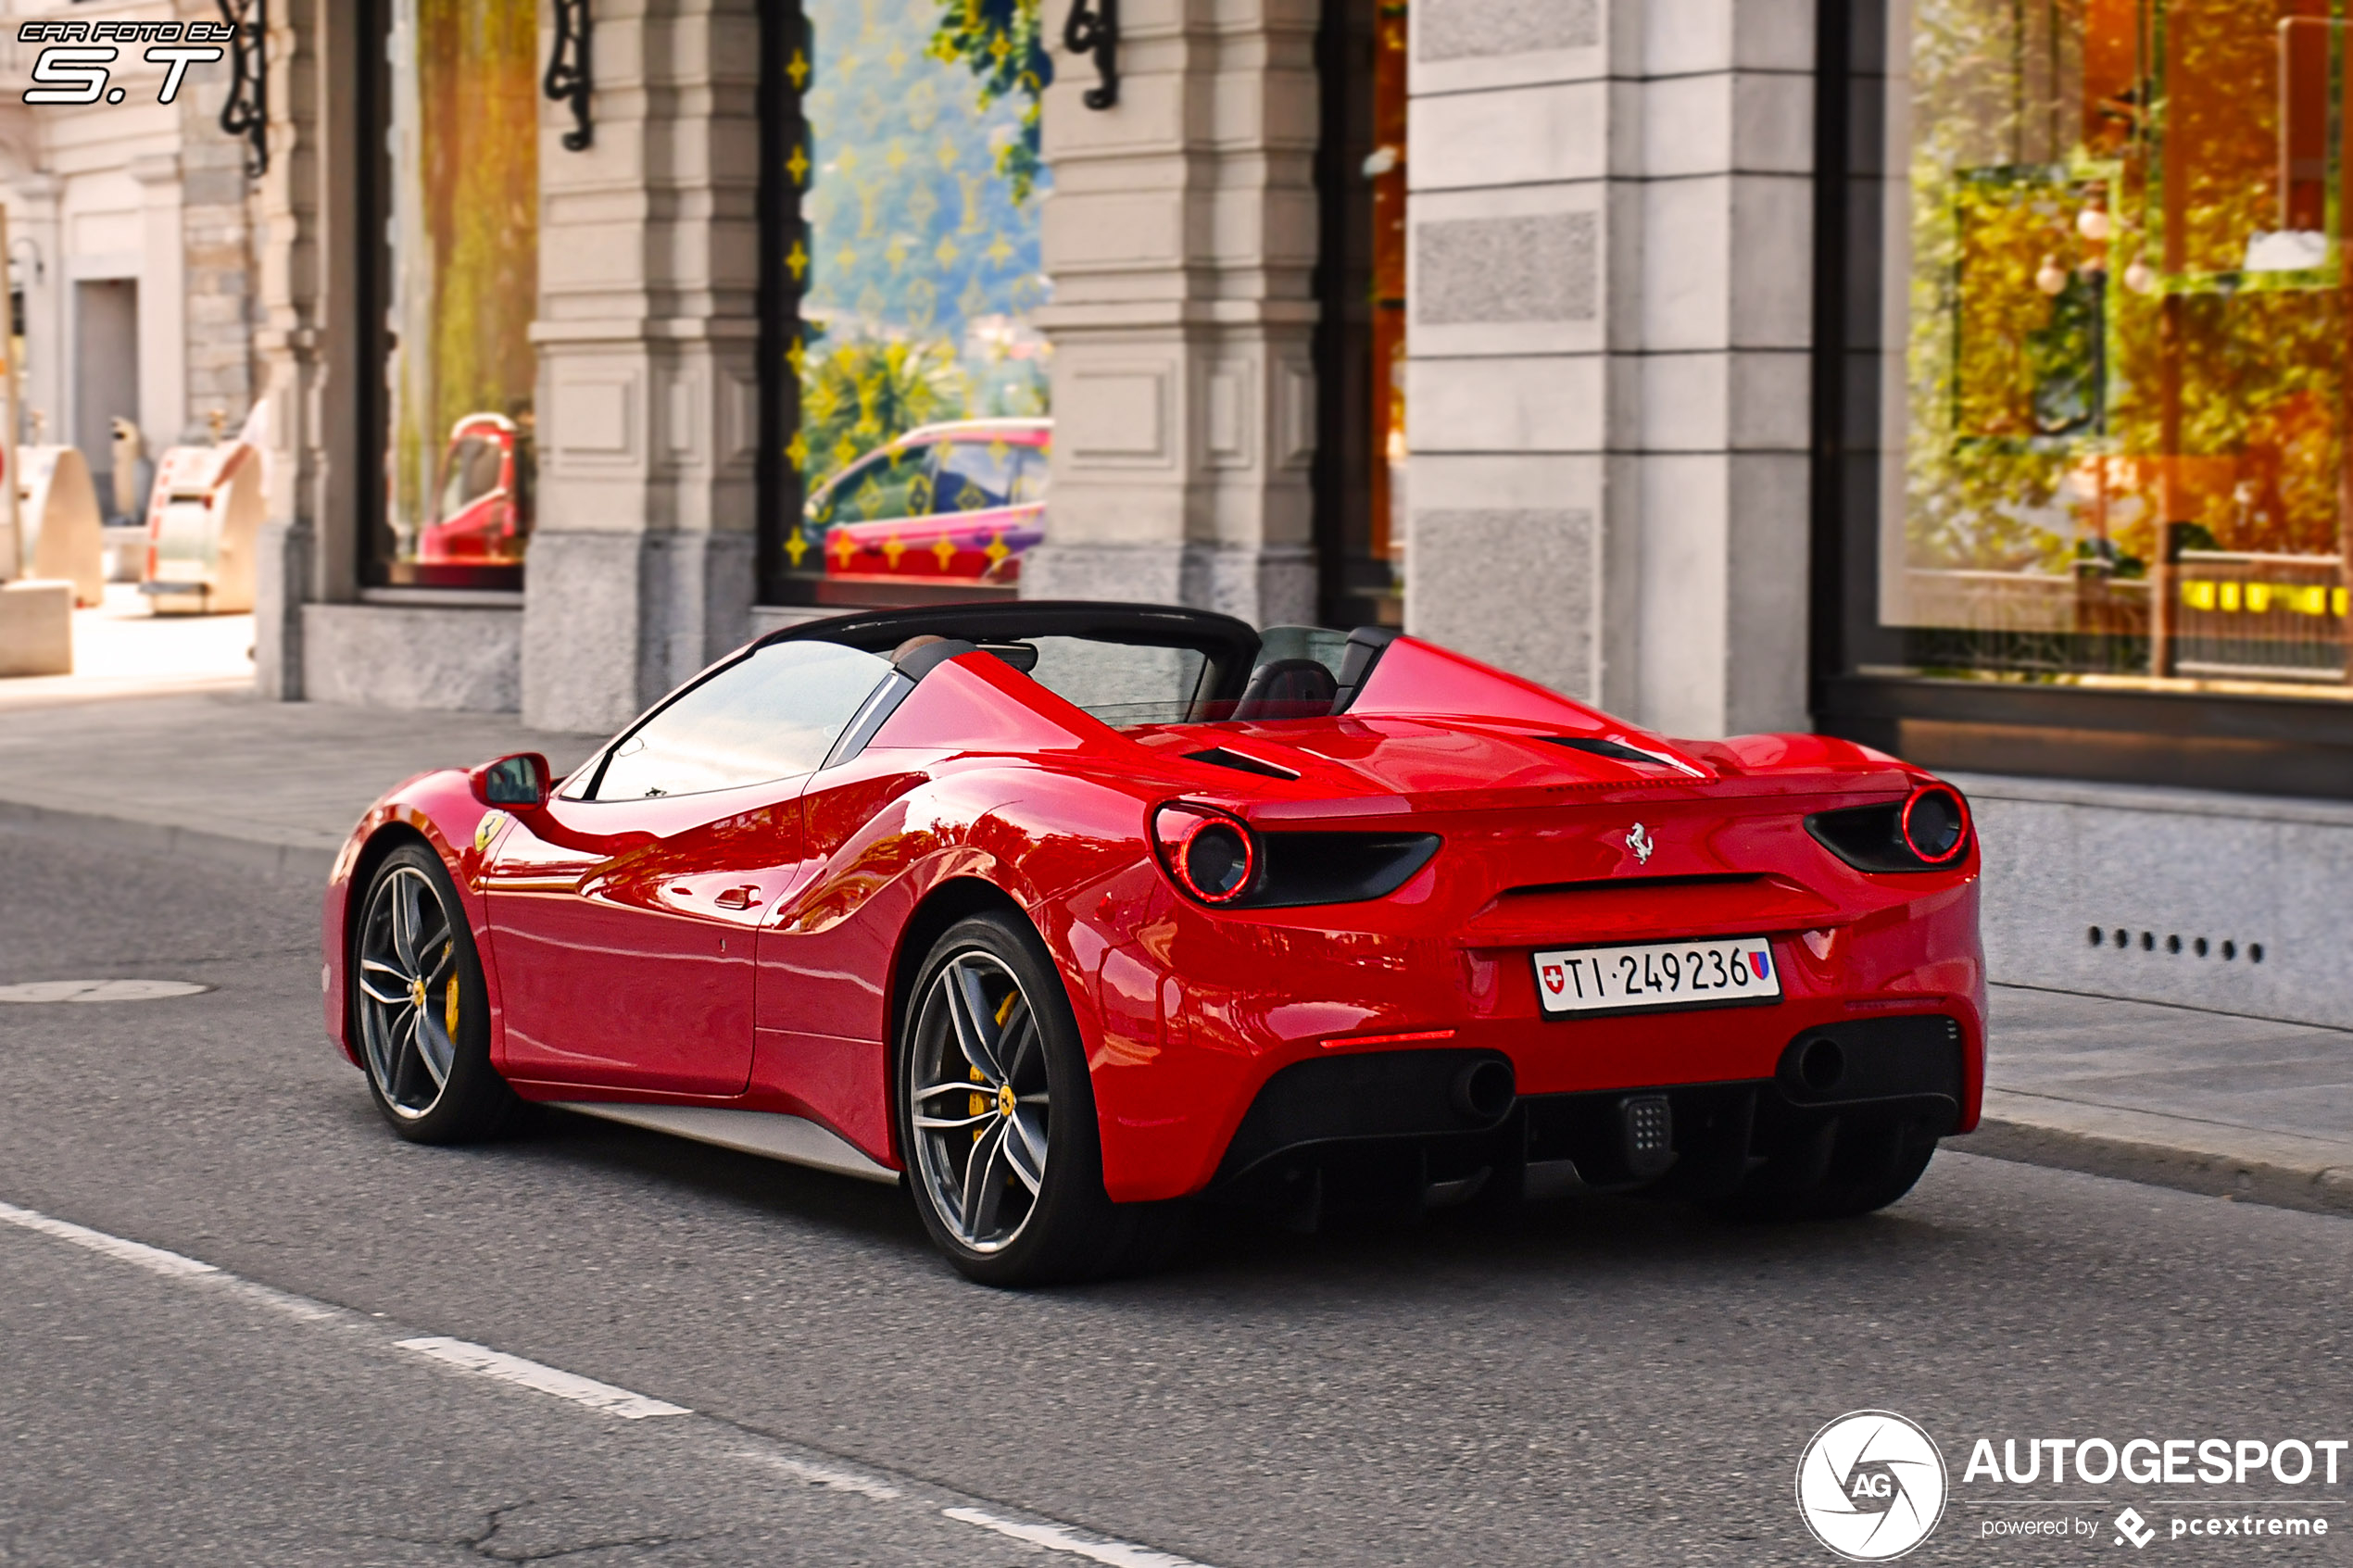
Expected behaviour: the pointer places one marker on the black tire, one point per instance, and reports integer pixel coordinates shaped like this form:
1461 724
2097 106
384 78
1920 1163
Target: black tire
1029 1067
1842 1169
433 1083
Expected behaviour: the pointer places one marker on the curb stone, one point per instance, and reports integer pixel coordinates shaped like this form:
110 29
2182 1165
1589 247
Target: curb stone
2218 1160
275 859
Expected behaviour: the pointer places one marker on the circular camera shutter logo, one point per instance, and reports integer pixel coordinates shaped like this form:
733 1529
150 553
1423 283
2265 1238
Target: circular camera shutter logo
1871 1486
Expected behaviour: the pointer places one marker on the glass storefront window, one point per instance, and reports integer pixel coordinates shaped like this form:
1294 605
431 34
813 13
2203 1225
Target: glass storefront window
923 384
1360 348
2117 345
461 285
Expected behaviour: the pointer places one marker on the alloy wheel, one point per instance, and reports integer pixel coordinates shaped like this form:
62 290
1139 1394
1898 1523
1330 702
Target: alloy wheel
409 991
980 1105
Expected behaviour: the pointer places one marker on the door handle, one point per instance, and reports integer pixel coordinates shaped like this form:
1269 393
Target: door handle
736 898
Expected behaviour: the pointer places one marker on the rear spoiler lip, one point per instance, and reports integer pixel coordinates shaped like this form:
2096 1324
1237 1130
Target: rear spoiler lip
1379 811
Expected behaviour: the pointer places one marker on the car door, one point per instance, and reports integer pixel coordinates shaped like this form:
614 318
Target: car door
623 912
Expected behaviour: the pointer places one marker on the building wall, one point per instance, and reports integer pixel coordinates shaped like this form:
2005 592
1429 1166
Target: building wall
141 190
1181 238
1610 215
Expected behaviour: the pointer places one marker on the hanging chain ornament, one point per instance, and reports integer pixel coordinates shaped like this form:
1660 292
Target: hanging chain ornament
569 78
1093 29
246 115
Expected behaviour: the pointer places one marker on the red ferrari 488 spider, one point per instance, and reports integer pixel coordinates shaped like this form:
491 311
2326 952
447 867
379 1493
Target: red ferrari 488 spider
1065 911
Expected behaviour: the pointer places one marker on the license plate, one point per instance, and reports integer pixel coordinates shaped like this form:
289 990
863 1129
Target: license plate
1723 972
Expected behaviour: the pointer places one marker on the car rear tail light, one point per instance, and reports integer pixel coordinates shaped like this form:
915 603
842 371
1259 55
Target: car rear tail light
1927 831
1934 827
1214 857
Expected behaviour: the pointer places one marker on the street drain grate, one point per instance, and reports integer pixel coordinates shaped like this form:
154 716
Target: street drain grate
100 990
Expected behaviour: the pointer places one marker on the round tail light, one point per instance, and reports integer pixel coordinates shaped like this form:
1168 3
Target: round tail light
1936 825
1211 856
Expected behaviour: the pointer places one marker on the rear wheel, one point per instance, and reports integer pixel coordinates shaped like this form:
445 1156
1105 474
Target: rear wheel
420 1009
997 1116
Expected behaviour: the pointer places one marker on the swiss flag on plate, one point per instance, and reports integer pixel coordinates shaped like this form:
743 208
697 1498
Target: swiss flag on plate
1554 979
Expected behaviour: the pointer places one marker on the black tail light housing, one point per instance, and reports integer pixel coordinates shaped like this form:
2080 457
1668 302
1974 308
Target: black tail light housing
1927 831
1210 854
1217 860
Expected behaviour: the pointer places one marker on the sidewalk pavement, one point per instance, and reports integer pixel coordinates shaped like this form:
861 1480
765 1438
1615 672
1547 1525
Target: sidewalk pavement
2206 1102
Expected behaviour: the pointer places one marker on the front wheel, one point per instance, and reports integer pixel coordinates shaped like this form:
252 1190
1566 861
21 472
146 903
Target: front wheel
419 1006
996 1117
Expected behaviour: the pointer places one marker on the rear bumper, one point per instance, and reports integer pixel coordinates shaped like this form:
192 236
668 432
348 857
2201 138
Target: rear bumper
1398 1124
1182 1094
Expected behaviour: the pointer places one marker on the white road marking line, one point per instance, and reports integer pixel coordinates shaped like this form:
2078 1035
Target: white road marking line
829 1475
546 1379
1054 1537
155 1260
587 1391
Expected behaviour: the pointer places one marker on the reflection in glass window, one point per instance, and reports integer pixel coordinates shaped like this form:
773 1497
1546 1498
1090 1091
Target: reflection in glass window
978 475
461 272
922 197
770 716
2124 378
884 488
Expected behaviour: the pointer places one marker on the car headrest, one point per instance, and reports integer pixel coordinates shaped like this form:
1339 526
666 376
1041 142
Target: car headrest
1289 688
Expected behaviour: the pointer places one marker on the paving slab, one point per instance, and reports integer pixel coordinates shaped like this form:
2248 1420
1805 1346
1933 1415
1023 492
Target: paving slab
2209 1102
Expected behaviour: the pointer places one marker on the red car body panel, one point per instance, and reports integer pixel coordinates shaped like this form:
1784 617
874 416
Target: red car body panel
601 929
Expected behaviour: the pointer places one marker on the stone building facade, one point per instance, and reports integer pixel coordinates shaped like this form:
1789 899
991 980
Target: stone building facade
1659 278
132 252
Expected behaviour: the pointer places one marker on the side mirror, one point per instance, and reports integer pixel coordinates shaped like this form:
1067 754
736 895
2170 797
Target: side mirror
517 781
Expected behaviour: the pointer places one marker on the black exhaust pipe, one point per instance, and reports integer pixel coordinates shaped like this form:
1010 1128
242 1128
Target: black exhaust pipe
1821 1064
1485 1090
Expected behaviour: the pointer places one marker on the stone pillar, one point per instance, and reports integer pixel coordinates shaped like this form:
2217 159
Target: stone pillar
642 564
39 267
215 224
163 309
1608 405
1181 238
307 214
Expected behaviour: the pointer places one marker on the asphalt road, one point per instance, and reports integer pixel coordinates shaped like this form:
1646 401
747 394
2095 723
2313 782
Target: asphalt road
1611 1382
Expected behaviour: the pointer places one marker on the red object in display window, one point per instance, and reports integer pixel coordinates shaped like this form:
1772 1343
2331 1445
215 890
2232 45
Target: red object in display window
953 503
1062 912
482 514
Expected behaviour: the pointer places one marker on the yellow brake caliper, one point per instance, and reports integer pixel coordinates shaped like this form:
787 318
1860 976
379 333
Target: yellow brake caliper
449 1006
977 1104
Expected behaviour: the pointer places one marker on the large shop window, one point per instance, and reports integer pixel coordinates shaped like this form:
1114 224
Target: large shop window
456 196
2092 391
914 426
1360 335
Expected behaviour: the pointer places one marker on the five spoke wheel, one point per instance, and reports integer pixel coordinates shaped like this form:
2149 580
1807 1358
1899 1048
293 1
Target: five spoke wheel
409 991
980 1105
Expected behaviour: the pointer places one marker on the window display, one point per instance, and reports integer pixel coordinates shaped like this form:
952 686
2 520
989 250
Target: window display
2117 387
1360 290
460 286
923 431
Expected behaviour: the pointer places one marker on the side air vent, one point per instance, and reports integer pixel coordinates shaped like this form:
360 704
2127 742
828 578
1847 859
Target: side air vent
1218 756
1616 751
